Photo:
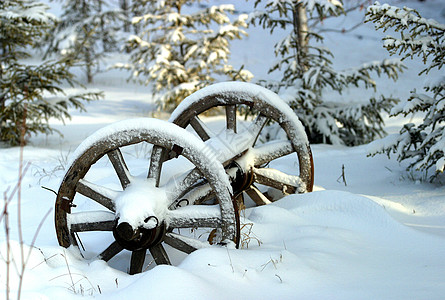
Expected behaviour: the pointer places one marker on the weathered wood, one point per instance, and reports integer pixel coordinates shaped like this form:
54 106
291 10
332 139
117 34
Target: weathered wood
257 126
182 243
159 255
231 117
85 188
200 128
259 102
119 165
111 251
195 222
162 142
178 187
192 183
157 157
137 261
304 153
257 196
199 193
93 226
288 184
270 151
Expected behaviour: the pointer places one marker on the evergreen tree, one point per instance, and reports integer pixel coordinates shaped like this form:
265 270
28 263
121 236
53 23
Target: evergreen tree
88 29
182 48
308 73
124 5
25 107
423 145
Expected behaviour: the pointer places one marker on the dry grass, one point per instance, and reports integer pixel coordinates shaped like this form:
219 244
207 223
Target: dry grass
12 262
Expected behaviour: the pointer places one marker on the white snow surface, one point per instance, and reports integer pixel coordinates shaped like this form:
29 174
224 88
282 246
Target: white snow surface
380 235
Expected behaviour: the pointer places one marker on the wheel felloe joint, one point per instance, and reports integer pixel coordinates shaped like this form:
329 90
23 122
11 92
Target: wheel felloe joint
66 205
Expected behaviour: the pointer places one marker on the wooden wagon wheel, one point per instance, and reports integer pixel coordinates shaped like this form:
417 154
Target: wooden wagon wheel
238 149
144 214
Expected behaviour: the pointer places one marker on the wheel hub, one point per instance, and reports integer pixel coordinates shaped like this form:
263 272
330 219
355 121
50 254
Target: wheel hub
139 238
243 178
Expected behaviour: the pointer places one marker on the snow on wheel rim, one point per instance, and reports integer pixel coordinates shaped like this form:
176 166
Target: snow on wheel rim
159 133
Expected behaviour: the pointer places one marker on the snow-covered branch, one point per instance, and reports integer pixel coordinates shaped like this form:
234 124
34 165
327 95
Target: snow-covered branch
418 36
424 144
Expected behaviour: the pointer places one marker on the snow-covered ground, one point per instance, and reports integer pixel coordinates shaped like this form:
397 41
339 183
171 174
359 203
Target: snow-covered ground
379 236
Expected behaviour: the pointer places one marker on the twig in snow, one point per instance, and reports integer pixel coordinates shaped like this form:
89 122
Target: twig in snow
342 176
230 259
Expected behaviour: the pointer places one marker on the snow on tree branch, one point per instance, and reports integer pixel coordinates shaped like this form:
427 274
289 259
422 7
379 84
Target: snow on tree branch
307 73
33 12
179 53
418 36
422 145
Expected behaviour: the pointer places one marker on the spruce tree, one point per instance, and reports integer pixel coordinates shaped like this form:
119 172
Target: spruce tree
30 94
183 48
422 145
307 73
87 30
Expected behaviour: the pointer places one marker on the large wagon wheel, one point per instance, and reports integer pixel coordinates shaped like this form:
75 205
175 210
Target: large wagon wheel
238 149
144 213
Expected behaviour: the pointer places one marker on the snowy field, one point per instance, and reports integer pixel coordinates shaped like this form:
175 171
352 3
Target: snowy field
380 235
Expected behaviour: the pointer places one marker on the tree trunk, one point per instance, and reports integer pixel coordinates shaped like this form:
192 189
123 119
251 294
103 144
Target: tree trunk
124 7
89 62
103 34
301 30
86 44
2 96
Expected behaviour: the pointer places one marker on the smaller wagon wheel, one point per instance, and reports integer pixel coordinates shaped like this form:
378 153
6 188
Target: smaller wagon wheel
238 149
143 214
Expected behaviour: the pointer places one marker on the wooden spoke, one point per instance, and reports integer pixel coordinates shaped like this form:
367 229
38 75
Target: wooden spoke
176 188
183 243
137 261
207 222
194 216
199 194
256 127
257 196
157 157
201 129
111 251
270 151
288 184
159 255
93 226
118 162
97 193
231 117
209 195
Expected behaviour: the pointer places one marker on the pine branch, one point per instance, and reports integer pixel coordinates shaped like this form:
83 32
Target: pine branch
423 144
419 36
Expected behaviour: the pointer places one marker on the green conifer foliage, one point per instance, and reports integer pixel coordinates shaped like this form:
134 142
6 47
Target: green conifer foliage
422 145
307 73
30 94
183 47
86 32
